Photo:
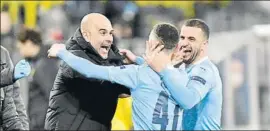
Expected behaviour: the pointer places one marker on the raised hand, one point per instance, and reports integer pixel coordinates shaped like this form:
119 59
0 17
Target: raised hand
177 55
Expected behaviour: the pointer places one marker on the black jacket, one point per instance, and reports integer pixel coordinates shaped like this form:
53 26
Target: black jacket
77 102
41 81
6 69
12 111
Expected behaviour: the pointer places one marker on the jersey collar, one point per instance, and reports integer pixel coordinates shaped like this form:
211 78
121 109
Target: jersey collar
188 69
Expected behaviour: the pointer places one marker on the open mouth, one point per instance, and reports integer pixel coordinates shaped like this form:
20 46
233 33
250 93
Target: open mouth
105 48
187 51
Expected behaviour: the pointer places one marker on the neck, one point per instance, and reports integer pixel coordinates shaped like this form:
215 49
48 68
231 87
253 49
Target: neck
198 58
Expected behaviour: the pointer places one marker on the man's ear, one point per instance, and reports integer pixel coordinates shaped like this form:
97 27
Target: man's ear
86 36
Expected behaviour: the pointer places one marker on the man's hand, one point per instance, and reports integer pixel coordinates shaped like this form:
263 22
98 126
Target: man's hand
177 55
130 57
55 49
152 49
22 69
156 59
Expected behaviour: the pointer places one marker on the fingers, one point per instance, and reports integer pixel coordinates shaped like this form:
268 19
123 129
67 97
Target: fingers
153 44
123 51
158 49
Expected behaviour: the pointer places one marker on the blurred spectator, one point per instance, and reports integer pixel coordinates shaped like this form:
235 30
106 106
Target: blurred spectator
55 25
7 35
127 31
43 75
5 23
55 35
77 9
126 12
113 9
240 85
152 15
202 7
117 30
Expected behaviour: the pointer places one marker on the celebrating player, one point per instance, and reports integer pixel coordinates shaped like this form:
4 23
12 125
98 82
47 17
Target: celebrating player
202 96
153 107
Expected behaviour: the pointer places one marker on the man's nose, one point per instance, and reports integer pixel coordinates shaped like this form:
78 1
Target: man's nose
109 39
184 43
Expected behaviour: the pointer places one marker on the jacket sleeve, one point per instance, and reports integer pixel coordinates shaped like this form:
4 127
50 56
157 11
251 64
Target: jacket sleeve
12 98
7 72
10 116
20 108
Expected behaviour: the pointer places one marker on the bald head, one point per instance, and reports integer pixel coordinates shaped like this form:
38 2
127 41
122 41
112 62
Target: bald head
97 30
92 19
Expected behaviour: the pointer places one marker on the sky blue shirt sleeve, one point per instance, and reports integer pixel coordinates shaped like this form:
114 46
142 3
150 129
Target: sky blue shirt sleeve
139 60
187 91
124 75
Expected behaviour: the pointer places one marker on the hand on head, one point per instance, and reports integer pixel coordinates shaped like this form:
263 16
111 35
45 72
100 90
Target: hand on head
155 57
177 55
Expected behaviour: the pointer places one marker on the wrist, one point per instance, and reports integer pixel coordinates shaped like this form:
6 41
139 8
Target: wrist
61 53
139 60
165 70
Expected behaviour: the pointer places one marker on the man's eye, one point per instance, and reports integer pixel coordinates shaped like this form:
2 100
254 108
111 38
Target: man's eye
103 32
191 39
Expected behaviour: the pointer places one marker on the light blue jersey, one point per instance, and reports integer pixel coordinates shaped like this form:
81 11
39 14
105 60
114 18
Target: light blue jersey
152 107
201 98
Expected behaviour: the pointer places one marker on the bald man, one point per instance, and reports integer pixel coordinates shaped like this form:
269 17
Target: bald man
77 103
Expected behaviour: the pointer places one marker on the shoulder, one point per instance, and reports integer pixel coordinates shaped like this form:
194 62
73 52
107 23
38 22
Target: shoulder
204 70
4 51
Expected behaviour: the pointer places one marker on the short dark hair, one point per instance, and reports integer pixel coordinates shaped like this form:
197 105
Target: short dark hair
199 24
167 34
29 34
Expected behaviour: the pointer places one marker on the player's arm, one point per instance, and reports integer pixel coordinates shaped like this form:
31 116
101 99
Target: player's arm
186 91
139 60
124 75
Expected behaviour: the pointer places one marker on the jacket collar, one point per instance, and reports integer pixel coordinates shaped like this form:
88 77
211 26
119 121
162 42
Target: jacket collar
87 47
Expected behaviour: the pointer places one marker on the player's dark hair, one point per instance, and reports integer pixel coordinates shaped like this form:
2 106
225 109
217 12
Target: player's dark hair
167 34
199 24
29 34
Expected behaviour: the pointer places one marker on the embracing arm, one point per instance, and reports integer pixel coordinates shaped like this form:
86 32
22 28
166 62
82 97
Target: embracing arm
124 75
186 91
